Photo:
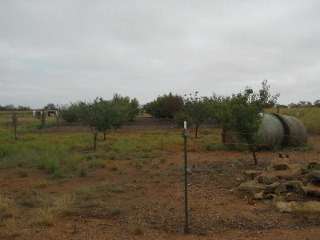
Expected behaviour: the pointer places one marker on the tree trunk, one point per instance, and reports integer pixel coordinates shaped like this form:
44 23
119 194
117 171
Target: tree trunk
255 157
197 128
15 123
95 141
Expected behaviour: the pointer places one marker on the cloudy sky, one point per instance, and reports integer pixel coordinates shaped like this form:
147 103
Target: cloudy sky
63 51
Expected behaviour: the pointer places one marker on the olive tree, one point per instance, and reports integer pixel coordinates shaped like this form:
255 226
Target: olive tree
97 115
196 110
102 115
71 112
13 122
165 106
123 110
242 113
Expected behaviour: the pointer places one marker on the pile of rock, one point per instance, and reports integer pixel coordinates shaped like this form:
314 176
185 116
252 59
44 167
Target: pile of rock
283 181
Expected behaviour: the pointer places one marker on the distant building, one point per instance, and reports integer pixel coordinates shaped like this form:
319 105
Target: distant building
52 113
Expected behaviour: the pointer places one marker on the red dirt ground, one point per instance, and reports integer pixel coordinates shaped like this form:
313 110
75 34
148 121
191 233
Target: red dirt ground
151 203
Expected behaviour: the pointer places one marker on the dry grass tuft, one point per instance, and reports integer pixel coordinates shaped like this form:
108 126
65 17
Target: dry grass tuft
45 216
306 209
138 230
13 229
116 211
63 205
8 208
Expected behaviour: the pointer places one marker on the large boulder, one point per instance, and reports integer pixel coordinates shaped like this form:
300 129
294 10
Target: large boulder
282 181
312 190
314 165
302 208
251 174
315 174
286 171
251 186
267 178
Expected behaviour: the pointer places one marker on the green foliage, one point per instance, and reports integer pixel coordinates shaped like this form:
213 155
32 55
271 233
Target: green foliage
153 108
112 155
83 172
213 147
43 119
71 113
180 117
134 108
52 165
197 109
97 115
22 172
102 115
50 106
95 155
97 163
304 104
165 106
121 111
242 113
85 193
170 105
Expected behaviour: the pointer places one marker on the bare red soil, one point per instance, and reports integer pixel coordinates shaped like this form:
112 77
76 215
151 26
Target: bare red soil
150 204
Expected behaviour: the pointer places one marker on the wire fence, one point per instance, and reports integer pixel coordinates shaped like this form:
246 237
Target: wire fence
215 201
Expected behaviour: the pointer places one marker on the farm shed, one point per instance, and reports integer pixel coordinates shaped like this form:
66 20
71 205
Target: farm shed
52 113
276 130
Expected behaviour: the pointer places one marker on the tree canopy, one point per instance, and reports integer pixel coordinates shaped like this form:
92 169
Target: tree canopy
165 106
101 115
242 113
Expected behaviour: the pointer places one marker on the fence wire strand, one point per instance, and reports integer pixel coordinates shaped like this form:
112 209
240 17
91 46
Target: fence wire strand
212 206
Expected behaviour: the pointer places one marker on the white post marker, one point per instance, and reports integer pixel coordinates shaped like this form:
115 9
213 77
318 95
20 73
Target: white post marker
184 133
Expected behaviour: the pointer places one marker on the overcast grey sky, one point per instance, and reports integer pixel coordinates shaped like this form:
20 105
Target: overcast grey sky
63 51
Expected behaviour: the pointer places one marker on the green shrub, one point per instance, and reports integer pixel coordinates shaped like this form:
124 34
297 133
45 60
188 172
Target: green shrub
52 165
112 155
85 193
83 172
115 211
97 163
23 172
57 174
211 147
205 132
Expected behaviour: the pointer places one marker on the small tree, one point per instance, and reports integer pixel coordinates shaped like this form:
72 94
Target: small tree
15 124
12 124
198 109
120 111
154 108
50 106
134 108
165 106
171 104
71 112
242 113
43 119
97 115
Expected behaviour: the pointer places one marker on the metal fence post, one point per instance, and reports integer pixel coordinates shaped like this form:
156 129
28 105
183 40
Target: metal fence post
184 134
